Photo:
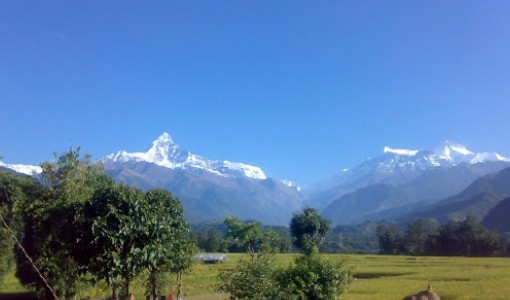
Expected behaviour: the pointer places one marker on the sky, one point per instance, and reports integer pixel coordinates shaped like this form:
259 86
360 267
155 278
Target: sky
301 89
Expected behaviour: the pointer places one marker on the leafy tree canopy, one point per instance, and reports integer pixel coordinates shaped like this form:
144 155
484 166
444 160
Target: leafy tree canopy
308 230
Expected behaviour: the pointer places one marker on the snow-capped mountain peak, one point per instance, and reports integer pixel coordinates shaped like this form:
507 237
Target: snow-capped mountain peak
399 161
453 151
449 153
160 148
24 169
164 152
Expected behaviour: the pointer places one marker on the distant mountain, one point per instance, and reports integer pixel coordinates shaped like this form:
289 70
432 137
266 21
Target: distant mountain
402 180
23 169
478 199
386 201
400 166
497 218
208 189
165 153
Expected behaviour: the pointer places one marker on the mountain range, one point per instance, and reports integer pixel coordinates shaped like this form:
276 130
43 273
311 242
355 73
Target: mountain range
397 184
401 180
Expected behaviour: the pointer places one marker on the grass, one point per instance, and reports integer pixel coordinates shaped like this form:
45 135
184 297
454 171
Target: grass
393 277
375 277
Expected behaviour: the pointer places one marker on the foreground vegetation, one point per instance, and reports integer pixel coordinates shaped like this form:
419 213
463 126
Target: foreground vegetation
73 225
376 277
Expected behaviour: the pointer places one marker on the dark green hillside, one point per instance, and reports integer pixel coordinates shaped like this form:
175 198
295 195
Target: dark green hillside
499 217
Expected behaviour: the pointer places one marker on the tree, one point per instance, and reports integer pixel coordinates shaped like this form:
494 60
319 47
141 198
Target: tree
244 236
390 239
126 231
468 237
112 232
168 245
308 230
476 240
14 192
252 277
311 277
212 241
49 233
282 239
418 237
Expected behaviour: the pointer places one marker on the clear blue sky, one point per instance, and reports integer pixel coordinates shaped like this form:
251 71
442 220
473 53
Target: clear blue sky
299 88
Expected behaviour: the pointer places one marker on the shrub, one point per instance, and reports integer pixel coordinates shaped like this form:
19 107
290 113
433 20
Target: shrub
311 278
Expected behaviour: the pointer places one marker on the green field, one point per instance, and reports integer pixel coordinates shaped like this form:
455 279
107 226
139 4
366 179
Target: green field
376 277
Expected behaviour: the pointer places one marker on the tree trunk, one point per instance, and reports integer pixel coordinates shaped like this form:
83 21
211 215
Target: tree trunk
115 293
153 286
125 288
179 284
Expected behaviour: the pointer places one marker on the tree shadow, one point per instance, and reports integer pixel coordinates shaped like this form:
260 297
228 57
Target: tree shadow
18 296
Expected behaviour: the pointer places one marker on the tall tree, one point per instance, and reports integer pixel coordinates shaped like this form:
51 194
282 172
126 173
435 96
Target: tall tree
14 192
308 230
310 277
168 246
112 232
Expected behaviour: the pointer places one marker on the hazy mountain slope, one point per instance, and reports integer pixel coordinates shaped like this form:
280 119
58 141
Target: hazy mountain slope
498 217
477 199
351 208
385 201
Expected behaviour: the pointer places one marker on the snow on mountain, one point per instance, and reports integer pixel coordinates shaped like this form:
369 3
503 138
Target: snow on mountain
164 152
487 156
454 152
247 170
24 169
397 160
400 151
291 184
450 153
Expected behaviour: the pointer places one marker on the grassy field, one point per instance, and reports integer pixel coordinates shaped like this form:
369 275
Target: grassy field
376 277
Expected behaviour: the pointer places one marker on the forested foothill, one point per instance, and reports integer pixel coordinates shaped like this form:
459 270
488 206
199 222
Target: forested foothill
73 225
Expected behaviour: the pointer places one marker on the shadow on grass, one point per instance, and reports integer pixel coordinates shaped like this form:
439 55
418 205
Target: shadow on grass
17 296
373 275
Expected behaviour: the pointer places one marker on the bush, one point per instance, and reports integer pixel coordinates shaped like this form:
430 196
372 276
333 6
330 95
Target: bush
311 278
251 279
